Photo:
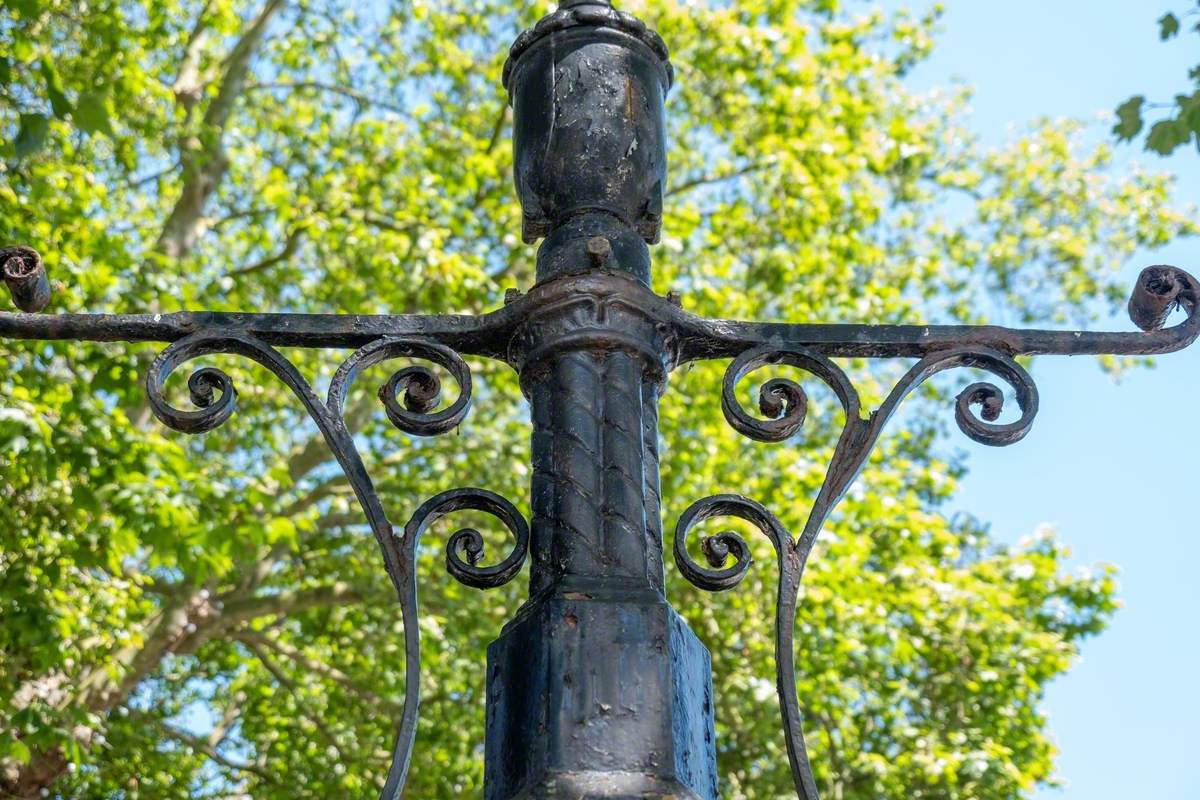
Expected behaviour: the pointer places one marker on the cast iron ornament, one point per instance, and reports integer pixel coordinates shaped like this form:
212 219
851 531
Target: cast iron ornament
591 328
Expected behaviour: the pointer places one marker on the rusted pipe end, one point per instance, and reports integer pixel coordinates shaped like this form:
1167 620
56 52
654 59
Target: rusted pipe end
26 278
1159 291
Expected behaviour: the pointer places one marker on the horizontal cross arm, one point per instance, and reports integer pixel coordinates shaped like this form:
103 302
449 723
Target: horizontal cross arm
1159 291
483 335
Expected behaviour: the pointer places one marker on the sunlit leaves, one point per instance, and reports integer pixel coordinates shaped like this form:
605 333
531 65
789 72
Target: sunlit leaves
1182 124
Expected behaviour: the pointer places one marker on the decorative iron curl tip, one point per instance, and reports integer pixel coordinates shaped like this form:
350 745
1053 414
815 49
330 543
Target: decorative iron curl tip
720 547
465 548
782 400
984 428
26 278
412 394
210 389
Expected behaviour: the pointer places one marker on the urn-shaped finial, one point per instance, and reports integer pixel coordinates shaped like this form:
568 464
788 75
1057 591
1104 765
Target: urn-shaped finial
587 86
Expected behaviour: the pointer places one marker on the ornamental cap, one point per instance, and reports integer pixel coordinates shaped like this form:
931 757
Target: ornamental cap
594 13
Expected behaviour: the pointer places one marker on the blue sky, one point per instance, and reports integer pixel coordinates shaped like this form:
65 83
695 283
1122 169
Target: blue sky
1109 465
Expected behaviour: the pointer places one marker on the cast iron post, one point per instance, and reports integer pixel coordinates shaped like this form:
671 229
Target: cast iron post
596 689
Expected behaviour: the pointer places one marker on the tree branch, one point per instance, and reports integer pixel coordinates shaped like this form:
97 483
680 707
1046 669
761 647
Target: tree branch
707 180
358 97
294 238
203 156
189 86
325 670
201 745
240 610
292 689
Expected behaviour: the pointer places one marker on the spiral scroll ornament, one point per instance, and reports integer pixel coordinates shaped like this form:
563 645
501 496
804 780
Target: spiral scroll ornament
792 555
719 548
212 391
412 393
1158 292
784 402
988 397
465 548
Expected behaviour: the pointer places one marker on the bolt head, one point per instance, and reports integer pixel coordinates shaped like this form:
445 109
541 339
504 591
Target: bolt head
599 249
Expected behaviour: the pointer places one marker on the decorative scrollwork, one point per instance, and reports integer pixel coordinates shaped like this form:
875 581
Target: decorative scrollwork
468 542
989 397
465 548
22 271
719 548
409 397
792 555
211 390
784 402
412 393
1159 291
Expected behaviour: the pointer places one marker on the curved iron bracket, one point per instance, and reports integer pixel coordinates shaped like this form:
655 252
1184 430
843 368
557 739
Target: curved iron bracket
784 404
409 397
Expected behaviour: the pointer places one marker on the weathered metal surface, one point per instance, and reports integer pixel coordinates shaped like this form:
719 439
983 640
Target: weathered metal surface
589 135
597 689
690 338
26 278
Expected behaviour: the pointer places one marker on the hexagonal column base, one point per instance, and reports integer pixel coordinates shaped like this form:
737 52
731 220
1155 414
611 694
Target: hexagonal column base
599 690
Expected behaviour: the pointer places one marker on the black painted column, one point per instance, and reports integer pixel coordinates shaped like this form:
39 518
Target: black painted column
597 689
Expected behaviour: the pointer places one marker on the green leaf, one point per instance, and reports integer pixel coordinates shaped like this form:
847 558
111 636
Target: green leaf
31 135
28 9
5 70
18 751
1167 136
1189 110
91 114
54 90
1168 27
23 50
1129 115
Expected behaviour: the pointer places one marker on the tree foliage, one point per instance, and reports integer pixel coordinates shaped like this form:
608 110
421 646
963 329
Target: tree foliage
200 617
1180 124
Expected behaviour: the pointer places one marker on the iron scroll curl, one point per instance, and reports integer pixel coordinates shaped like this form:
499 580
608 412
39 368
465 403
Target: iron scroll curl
792 555
410 397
